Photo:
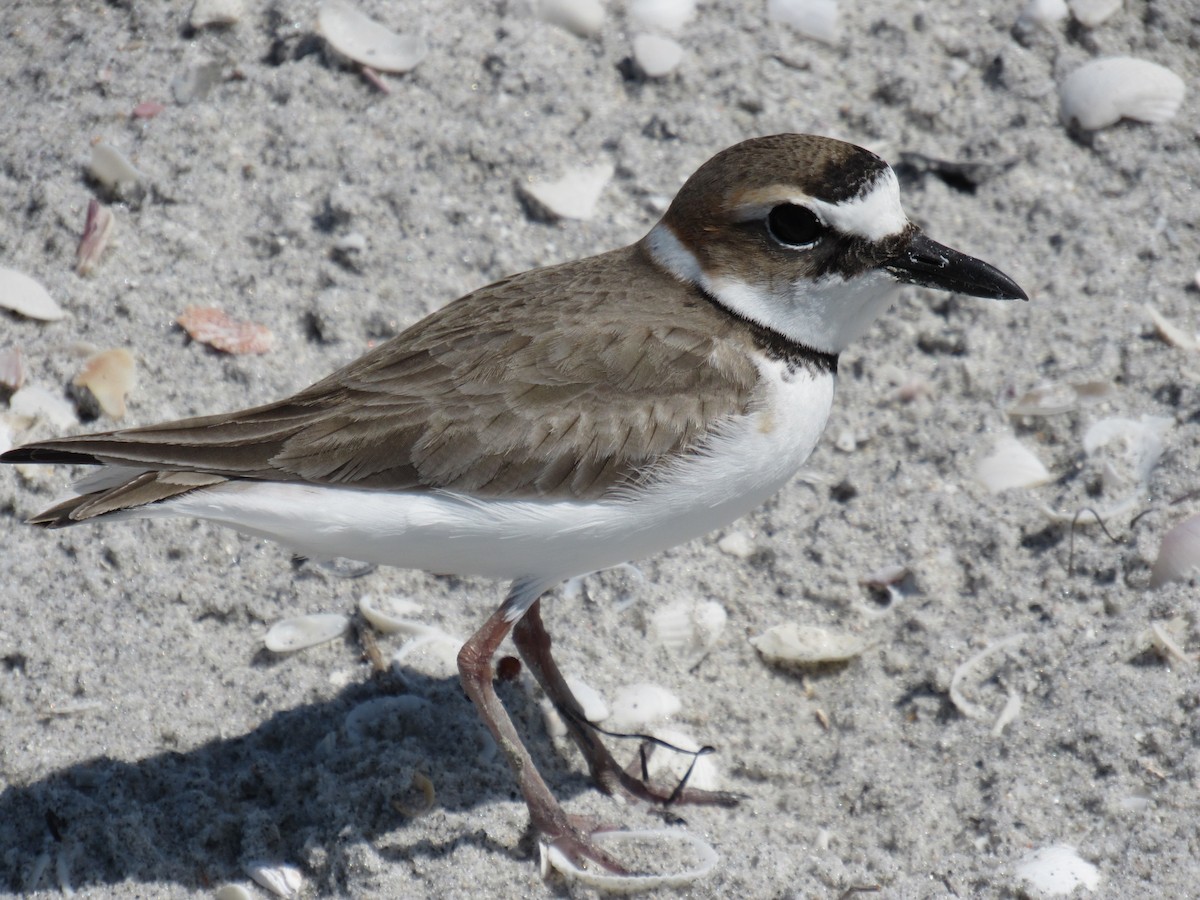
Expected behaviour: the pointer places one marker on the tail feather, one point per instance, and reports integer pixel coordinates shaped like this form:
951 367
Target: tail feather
143 490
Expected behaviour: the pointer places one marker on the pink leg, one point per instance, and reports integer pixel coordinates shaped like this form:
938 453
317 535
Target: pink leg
547 816
533 642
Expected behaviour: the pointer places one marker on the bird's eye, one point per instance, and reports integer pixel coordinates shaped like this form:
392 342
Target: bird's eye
794 226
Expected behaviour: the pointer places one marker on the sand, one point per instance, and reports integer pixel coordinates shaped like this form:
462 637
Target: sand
151 747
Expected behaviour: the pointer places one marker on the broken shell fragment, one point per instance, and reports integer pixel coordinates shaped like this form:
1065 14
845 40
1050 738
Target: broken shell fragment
1104 91
638 705
1057 871
109 375
97 232
302 632
221 331
363 40
580 17
280 879
688 629
392 615
1011 465
112 170
1170 332
806 645
215 12
38 404
816 19
697 856
574 196
1090 13
1178 555
591 701
12 371
23 295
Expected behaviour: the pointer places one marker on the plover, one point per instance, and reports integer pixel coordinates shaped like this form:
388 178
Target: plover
565 419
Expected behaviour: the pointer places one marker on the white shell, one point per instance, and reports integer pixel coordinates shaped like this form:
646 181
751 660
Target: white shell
232 892
688 629
6 436
1011 465
637 705
795 644
12 370
23 295
363 40
656 56
302 632
1141 441
662 15
1058 398
1170 332
817 19
668 766
394 615
580 17
738 544
595 708
1104 91
109 375
110 167
215 12
280 879
575 195
1044 12
1091 13
705 860
34 402
1178 555
1056 871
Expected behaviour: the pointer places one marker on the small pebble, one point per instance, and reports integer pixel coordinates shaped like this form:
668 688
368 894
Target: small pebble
1044 12
738 544
1090 13
656 56
662 15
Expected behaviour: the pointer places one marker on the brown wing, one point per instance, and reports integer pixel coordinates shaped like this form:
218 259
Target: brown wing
564 382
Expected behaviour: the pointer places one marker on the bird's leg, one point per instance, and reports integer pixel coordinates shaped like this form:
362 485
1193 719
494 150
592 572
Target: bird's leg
533 642
547 816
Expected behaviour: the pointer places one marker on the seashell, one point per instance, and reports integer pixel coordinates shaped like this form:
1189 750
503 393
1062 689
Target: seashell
12 371
1044 12
638 705
574 196
6 435
1178 555
23 295
232 892
964 706
738 544
221 331
37 403
363 40
148 109
302 632
656 56
806 645
655 845
109 375
580 17
1011 465
215 12
591 701
1055 399
280 879
1142 442
816 19
97 232
424 787
665 765
1104 91
1057 870
688 629
1090 13
116 173
1170 332
392 615
661 15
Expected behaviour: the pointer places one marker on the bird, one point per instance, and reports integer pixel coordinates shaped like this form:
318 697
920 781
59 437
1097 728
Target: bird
566 419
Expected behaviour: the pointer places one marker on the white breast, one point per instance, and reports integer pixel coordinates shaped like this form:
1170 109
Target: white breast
751 459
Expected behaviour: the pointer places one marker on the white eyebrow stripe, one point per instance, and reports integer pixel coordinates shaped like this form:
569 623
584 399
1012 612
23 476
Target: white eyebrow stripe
873 215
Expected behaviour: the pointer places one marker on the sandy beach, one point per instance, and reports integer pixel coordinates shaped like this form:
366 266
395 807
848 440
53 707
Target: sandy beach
1020 686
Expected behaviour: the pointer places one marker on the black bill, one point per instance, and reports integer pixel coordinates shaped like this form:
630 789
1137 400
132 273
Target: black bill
929 264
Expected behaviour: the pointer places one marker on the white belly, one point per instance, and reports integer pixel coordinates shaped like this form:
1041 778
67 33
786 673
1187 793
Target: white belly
548 540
